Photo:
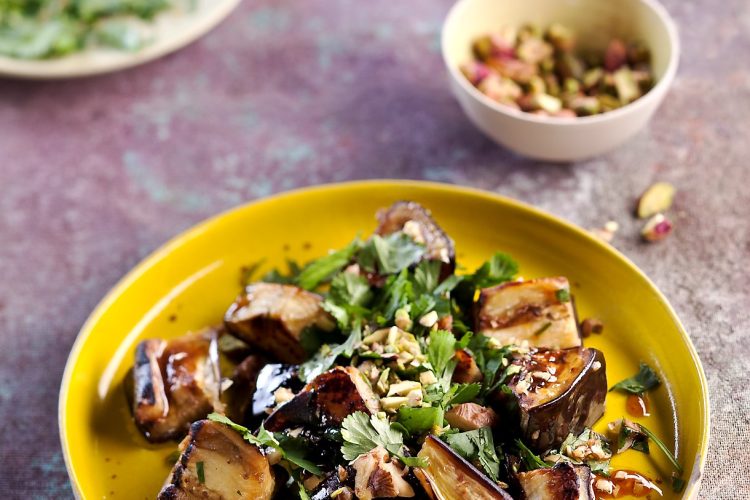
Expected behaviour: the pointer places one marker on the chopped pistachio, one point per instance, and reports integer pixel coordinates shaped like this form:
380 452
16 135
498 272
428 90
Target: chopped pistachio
534 50
404 388
561 37
657 228
392 404
616 55
548 103
627 88
429 319
657 198
482 48
402 319
427 378
592 78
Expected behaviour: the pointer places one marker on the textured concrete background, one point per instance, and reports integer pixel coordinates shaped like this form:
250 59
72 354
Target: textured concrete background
97 173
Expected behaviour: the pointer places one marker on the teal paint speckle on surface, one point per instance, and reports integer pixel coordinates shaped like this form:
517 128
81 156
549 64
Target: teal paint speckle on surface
145 178
268 19
50 465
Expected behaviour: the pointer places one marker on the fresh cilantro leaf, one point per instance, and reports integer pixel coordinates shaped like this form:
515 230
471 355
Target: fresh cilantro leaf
396 293
320 270
420 420
645 380
530 459
326 356
390 254
448 284
426 276
492 362
461 393
363 433
500 268
441 349
350 289
477 445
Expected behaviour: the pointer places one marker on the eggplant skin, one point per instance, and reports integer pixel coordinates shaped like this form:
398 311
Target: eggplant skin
449 477
272 317
175 383
529 311
238 398
564 481
232 468
569 402
439 245
326 401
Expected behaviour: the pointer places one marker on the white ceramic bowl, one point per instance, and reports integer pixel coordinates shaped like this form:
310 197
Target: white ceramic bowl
595 22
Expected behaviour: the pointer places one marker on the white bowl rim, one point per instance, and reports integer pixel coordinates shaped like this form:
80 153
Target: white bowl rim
65 67
658 90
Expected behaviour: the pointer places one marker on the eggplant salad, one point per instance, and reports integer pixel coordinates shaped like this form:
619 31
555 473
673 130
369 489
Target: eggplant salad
378 371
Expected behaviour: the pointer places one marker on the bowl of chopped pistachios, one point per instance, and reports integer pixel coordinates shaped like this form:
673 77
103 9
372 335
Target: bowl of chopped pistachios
560 80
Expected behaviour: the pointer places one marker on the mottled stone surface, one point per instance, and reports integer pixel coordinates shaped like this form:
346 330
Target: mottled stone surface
95 174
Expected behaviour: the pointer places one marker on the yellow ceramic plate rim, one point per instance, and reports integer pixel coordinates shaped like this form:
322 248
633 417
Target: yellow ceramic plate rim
195 231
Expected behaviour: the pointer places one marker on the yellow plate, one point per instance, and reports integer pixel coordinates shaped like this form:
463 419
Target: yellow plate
188 284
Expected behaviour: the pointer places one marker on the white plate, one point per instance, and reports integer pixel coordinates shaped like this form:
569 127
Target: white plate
170 31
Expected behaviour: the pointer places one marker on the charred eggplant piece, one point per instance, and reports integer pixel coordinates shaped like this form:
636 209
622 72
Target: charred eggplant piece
175 383
561 482
273 318
449 477
215 462
271 378
238 397
339 481
558 392
539 311
325 401
417 222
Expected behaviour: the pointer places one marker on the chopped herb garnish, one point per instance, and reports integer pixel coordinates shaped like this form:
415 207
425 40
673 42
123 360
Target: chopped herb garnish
478 446
322 269
645 380
325 358
531 460
543 328
563 295
201 473
363 433
269 439
420 420
500 268
660 444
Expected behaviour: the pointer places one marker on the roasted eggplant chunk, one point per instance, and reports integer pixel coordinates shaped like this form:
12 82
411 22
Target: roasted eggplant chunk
449 477
215 462
339 482
538 311
271 378
561 482
175 383
558 392
417 222
238 397
273 318
325 401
